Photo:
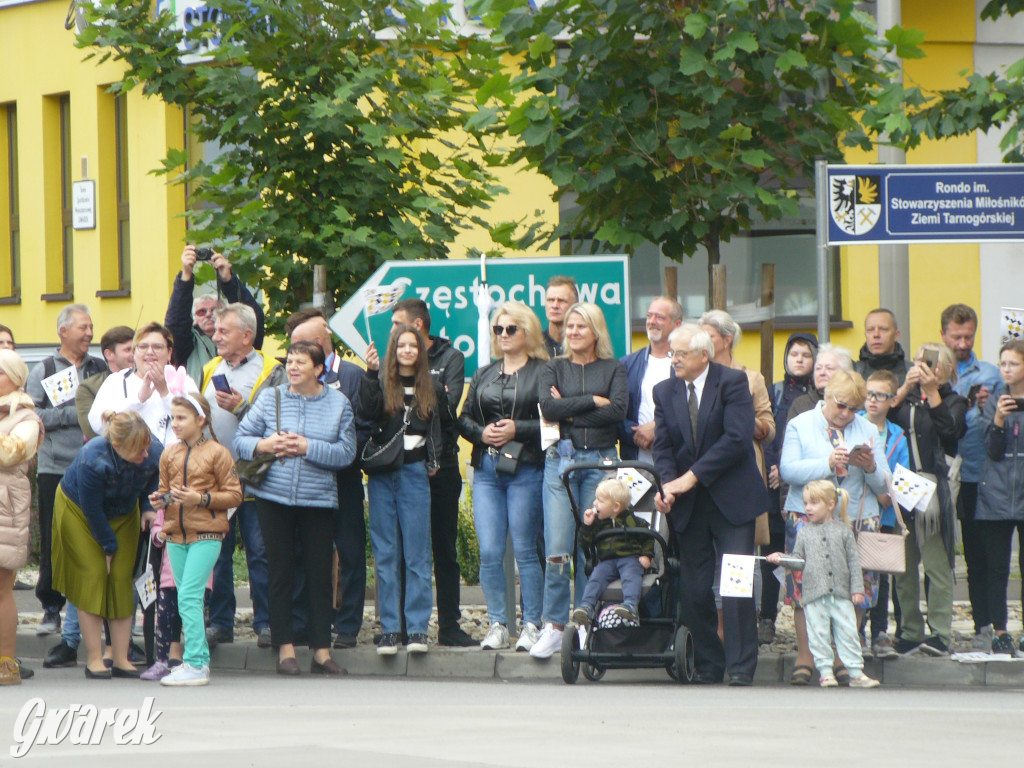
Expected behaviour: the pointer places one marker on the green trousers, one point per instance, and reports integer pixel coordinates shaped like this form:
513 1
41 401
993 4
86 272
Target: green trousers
932 554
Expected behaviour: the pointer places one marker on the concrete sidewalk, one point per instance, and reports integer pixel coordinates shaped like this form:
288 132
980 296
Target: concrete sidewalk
473 663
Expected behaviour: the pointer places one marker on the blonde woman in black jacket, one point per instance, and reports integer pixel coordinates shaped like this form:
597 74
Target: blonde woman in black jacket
500 419
586 391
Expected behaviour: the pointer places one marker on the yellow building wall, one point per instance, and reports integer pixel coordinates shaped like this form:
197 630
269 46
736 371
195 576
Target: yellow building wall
38 62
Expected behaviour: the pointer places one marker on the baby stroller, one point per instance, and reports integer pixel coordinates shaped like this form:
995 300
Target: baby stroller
660 639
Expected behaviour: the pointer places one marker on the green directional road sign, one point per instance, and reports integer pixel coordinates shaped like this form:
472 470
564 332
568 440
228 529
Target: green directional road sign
450 289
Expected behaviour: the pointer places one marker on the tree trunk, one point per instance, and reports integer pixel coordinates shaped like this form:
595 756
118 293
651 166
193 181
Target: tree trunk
711 244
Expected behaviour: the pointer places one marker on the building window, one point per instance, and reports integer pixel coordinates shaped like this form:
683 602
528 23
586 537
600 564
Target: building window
10 245
788 244
67 230
121 163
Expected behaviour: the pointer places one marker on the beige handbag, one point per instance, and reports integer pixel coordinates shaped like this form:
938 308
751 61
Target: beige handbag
882 552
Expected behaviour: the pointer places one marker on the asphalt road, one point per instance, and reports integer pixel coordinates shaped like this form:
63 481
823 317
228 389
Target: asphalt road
246 719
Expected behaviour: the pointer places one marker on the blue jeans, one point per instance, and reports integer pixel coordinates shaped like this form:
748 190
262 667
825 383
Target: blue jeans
400 525
192 565
605 572
560 527
222 600
504 504
71 634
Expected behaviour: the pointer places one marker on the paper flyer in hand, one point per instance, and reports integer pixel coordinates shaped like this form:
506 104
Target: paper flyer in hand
737 576
62 386
549 431
912 491
635 480
1011 324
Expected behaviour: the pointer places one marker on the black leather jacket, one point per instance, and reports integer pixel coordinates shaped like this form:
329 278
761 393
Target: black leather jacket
492 396
589 427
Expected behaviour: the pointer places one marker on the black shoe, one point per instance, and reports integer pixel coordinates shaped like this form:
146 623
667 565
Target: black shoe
904 646
263 638
934 647
388 644
399 639
215 636
345 641
135 653
104 675
1000 644
288 666
583 615
740 679
131 673
26 673
706 678
19 584
329 668
456 637
61 655
417 643
50 624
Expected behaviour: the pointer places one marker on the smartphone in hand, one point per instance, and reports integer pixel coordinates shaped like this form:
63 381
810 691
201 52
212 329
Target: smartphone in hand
220 383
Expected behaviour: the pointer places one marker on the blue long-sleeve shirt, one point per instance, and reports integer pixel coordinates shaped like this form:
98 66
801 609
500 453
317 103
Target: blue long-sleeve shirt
105 486
972 445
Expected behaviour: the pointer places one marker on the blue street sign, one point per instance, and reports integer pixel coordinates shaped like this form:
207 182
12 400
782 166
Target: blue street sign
875 204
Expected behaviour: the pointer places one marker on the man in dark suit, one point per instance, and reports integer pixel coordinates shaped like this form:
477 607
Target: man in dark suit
713 492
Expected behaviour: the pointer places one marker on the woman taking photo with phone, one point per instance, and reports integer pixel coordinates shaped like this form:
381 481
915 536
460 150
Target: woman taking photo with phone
1001 493
401 403
934 418
500 419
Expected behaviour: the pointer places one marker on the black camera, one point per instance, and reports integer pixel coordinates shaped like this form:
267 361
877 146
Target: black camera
204 254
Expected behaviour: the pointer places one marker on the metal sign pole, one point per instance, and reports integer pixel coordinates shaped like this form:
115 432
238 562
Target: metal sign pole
821 244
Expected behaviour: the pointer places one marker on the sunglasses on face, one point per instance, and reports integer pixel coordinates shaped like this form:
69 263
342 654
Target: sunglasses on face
508 330
843 406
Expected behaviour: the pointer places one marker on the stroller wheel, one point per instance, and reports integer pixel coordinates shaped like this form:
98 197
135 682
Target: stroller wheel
593 673
682 667
570 646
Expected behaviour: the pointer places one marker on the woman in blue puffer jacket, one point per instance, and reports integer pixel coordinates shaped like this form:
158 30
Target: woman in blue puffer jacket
298 496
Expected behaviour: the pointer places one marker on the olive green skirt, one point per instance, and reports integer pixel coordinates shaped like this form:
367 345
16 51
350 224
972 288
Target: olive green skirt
80 564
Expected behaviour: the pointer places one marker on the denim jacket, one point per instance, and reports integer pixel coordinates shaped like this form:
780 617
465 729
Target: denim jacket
105 486
972 445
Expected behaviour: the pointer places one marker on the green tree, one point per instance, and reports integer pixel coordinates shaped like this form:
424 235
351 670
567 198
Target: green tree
675 121
338 147
984 101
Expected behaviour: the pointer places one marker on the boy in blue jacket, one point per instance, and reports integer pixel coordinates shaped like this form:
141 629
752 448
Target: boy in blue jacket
882 386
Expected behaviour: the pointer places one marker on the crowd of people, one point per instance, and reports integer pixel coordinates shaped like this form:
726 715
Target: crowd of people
139 454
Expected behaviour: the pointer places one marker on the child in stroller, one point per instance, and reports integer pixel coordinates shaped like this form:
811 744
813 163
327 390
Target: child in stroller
624 557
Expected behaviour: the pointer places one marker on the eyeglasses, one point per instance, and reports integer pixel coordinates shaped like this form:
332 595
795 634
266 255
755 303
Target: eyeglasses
878 397
843 406
154 347
508 330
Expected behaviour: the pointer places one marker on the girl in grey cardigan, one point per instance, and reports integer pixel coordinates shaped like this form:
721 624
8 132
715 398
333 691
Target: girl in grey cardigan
832 583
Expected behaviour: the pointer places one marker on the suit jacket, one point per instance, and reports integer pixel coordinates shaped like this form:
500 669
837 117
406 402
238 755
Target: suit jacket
723 457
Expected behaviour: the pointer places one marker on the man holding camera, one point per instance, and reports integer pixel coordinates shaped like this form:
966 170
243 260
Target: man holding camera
191 321
977 381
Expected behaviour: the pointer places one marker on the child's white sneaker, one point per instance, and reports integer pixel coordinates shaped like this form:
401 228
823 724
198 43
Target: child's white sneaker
497 637
863 681
528 635
185 674
828 680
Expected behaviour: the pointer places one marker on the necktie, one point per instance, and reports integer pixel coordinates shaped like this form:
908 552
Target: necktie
691 404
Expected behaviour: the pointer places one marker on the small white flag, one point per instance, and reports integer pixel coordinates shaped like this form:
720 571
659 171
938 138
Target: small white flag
635 481
737 576
380 298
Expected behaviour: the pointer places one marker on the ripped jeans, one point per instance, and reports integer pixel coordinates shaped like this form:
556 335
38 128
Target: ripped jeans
560 527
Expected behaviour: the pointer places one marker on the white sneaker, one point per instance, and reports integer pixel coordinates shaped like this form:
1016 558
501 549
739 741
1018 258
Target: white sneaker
549 642
528 636
983 640
184 674
497 637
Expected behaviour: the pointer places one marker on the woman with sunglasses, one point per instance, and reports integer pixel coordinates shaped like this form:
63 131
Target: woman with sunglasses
586 391
934 418
500 419
833 443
